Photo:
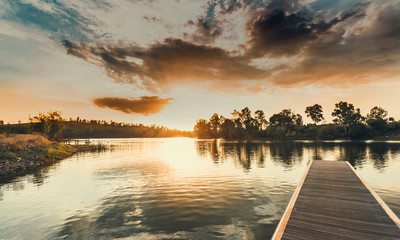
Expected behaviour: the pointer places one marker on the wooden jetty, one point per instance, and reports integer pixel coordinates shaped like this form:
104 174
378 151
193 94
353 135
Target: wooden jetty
332 201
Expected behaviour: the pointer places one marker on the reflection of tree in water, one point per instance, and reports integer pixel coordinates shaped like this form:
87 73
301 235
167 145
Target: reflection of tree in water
381 152
261 155
353 152
378 154
394 149
287 153
317 149
243 153
208 149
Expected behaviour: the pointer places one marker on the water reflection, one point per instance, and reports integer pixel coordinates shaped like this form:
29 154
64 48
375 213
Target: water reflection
289 153
286 153
244 153
178 188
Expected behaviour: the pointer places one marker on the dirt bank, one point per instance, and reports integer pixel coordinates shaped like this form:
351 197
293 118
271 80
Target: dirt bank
20 152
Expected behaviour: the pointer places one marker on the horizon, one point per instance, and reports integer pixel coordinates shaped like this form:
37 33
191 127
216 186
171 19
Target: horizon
170 64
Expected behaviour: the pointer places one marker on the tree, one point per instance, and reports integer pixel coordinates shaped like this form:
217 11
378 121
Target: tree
377 113
236 119
50 124
377 119
283 119
260 120
346 114
298 120
243 118
315 113
214 125
202 128
228 129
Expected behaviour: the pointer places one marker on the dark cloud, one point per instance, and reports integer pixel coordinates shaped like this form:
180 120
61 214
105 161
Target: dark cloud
368 55
279 33
145 105
173 61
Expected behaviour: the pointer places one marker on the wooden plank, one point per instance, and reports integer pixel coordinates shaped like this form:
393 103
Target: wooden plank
385 207
332 201
282 223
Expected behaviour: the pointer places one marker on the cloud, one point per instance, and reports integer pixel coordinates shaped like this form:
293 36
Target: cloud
173 61
145 105
289 43
207 30
279 33
351 54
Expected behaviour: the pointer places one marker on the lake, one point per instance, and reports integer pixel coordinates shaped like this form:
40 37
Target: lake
180 188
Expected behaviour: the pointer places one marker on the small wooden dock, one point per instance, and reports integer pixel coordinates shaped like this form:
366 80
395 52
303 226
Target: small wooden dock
332 201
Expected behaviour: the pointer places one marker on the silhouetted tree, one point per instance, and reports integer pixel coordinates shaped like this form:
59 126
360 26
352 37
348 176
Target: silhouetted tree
228 129
286 118
236 119
245 118
298 120
261 122
315 113
377 120
214 125
377 113
346 114
202 129
50 124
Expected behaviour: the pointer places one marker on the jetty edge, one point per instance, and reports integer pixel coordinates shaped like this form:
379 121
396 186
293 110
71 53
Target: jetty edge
332 201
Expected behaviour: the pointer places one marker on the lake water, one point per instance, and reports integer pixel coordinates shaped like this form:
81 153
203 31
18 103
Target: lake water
179 188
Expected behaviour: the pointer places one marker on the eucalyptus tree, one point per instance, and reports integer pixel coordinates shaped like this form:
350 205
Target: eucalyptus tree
260 120
286 118
377 113
346 114
315 113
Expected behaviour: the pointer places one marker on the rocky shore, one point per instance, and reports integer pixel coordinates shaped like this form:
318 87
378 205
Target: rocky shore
21 152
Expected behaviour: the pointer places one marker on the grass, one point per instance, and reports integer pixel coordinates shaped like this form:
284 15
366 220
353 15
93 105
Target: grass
58 151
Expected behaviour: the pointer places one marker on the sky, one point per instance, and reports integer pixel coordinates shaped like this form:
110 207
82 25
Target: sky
171 62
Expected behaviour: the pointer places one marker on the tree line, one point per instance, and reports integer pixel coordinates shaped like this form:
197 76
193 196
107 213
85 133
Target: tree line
347 123
53 126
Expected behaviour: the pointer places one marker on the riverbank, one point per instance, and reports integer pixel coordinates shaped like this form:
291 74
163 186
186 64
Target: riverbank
22 152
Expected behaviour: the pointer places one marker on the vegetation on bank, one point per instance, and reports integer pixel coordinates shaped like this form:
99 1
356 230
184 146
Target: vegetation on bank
53 126
26 151
348 123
